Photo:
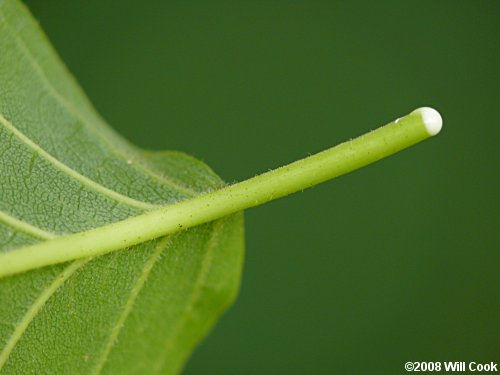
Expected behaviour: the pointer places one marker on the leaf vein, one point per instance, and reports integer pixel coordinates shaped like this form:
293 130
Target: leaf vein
26 227
148 266
72 110
197 292
36 307
72 173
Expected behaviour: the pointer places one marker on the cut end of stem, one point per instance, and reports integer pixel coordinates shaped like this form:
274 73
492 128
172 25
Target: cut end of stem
431 118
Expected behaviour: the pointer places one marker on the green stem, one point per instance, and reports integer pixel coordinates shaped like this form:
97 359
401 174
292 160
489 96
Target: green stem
336 161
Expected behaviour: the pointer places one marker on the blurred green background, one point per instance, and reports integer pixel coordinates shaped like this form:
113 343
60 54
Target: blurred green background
394 263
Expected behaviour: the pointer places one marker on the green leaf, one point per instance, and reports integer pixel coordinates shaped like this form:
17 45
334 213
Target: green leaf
132 254
62 171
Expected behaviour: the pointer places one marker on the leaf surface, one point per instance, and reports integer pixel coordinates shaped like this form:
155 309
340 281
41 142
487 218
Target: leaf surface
64 170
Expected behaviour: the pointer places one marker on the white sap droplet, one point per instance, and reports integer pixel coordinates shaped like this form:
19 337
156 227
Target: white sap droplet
432 119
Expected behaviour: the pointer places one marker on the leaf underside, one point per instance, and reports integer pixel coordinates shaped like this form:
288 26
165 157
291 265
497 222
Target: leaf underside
64 170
